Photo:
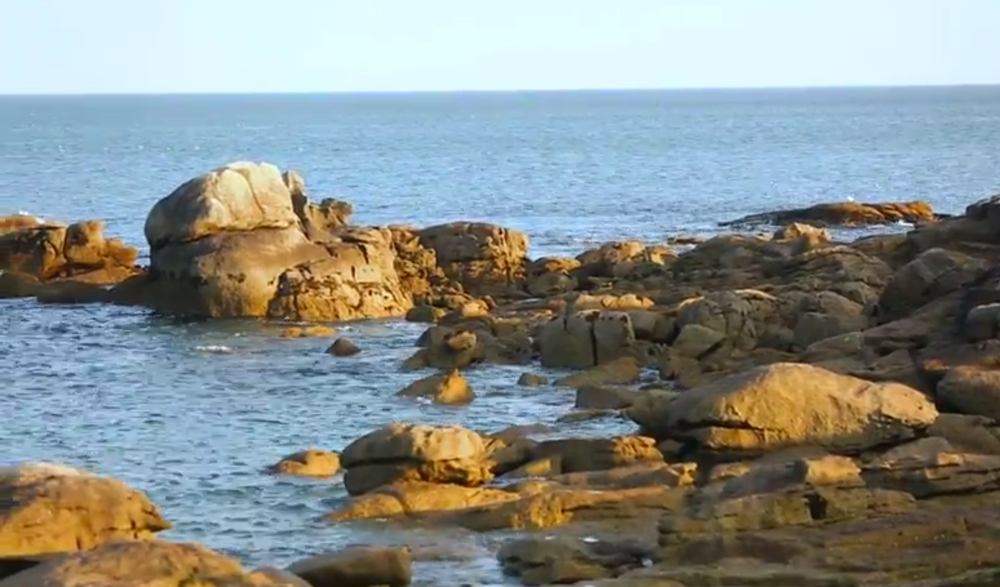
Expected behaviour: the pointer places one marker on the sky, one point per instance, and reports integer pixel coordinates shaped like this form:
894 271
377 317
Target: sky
183 46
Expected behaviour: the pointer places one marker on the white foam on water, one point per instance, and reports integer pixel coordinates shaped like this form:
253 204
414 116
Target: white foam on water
214 348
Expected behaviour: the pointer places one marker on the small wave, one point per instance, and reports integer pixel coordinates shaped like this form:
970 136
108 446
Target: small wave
214 348
38 219
904 223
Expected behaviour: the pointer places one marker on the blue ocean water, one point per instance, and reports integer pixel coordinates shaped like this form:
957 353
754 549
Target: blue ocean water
191 413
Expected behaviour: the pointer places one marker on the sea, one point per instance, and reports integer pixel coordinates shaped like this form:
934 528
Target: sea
192 413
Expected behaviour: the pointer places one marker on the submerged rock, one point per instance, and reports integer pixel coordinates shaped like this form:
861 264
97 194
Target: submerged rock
343 347
311 462
444 388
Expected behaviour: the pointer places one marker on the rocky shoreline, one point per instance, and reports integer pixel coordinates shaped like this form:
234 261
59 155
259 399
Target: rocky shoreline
807 412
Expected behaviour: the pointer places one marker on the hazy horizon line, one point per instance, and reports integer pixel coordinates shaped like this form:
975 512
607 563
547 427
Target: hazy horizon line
501 91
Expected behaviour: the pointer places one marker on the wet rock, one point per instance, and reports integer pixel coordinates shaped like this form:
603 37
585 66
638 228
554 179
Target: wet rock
18 285
617 372
786 404
603 397
359 566
971 390
444 388
585 339
843 214
532 380
312 331
312 462
156 562
52 509
408 452
425 313
71 292
521 431
587 415
229 244
471 343
484 258
343 347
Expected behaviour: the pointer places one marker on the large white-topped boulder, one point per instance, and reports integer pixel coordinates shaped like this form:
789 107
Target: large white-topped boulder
238 196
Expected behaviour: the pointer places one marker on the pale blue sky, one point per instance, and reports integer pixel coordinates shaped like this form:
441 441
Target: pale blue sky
111 46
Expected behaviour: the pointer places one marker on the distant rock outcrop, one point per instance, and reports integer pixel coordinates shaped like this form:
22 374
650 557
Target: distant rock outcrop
843 214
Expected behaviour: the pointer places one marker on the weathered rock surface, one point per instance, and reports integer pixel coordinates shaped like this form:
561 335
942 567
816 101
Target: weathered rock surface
230 244
54 254
971 390
405 452
130 564
784 405
605 397
484 258
471 342
585 339
343 347
824 520
51 509
932 275
532 380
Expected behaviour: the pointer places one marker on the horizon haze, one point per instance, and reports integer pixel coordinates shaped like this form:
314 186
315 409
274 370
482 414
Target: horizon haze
385 46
